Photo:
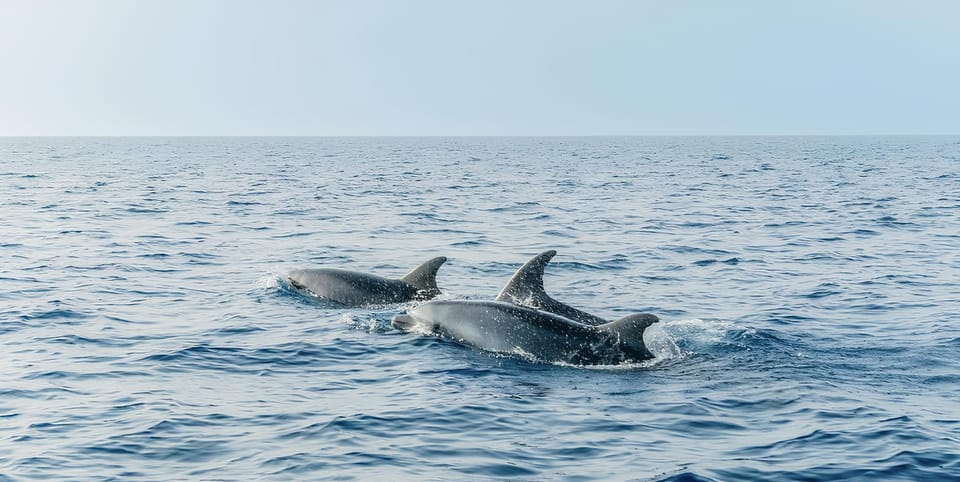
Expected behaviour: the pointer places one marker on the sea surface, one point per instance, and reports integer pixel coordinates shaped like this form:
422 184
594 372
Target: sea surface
808 290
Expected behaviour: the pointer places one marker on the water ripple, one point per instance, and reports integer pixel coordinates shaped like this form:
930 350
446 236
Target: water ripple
806 286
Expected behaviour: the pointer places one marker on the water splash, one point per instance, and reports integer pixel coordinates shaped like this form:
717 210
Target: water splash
698 334
661 343
368 323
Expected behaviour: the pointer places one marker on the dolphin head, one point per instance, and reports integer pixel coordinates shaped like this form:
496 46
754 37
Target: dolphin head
629 333
417 319
403 322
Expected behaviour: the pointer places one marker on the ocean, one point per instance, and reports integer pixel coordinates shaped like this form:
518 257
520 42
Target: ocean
808 290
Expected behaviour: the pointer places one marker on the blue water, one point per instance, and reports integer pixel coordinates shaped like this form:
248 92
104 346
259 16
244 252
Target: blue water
809 292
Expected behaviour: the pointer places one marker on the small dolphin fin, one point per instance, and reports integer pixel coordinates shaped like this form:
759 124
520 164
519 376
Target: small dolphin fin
629 332
527 282
424 277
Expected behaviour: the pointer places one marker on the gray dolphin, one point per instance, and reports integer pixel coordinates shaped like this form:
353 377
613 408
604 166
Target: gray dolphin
350 288
508 328
525 288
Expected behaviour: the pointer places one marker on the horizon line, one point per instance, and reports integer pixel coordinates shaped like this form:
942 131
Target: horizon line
9 136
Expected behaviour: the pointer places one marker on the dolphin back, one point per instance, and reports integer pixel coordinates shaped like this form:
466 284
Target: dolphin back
525 288
424 277
502 327
350 288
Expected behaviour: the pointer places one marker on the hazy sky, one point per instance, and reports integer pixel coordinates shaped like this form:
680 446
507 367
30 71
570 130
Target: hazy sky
208 67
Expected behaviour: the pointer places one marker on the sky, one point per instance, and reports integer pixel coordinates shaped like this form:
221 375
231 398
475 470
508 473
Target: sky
459 67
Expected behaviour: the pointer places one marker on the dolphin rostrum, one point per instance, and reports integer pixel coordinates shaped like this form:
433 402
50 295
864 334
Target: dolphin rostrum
350 288
508 328
525 288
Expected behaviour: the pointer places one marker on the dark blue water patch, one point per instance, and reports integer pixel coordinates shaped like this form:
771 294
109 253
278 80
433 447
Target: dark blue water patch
298 234
12 326
145 210
820 256
824 472
695 250
296 464
16 393
698 224
892 222
863 232
507 470
202 258
822 293
236 330
204 356
707 262
79 376
194 223
38 267
291 212
154 255
468 243
873 307
780 316
21 279
200 255
786 224
119 319
55 314
538 217
81 340
152 447
685 476
616 262
446 231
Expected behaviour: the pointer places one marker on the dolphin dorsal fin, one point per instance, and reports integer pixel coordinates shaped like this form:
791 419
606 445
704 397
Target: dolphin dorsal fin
424 277
527 282
526 289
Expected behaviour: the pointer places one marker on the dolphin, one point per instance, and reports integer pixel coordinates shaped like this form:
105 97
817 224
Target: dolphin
502 327
350 288
525 288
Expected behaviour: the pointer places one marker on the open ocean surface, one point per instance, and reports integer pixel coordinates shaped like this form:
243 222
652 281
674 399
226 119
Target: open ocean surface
809 292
